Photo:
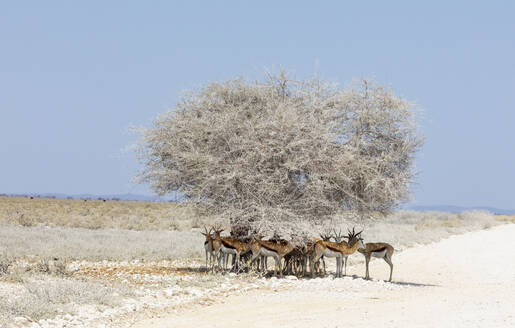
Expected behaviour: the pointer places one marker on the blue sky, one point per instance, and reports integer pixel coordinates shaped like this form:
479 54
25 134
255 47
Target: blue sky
75 75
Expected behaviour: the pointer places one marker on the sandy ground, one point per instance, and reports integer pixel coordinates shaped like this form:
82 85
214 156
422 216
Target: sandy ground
464 281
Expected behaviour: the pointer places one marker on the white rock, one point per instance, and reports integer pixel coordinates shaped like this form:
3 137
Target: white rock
196 292
20 320
72 267
44 324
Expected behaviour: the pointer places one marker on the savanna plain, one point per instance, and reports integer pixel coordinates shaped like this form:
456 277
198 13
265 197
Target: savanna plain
96 263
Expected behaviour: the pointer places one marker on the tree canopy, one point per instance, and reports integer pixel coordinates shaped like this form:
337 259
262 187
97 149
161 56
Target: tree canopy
282 151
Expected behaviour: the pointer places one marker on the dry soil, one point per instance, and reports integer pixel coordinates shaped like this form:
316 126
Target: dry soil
464 281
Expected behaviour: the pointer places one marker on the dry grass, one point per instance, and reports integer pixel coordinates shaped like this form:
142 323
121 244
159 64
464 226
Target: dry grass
96 214
88 290
97 245
59 228
114 263
36 289
408 228
40 296
506 218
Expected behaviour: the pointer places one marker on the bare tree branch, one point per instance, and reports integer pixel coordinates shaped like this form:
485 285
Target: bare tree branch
276 153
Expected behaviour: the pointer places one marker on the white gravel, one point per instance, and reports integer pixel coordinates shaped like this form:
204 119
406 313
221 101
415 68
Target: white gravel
463 281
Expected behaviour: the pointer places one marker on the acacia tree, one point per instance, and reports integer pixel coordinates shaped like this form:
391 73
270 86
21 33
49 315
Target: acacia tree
278 153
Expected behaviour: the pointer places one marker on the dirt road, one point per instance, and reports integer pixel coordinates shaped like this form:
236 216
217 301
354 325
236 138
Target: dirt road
464 281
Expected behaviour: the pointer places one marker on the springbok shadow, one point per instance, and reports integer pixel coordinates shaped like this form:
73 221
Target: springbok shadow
400 283
185 270
270 273
413 284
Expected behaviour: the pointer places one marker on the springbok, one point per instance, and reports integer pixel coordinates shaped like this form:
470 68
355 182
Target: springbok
324 237
212 247
208 245
255 248
294 262
230 245
309 251
276 249
379 250
338 237
337 250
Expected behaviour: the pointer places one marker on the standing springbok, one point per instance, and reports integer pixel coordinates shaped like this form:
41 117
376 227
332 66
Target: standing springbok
212 246
379 250
324 237
309 249
255 248
230 245
208 246
338 237
337 250
276 249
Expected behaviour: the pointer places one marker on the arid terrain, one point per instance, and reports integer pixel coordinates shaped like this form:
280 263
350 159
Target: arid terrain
141 264
452 283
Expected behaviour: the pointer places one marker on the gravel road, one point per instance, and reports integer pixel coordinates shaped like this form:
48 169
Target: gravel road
464 281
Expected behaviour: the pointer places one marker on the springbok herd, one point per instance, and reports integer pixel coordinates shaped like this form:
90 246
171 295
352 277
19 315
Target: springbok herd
253 252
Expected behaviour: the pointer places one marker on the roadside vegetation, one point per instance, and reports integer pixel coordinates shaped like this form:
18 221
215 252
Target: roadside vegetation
61 267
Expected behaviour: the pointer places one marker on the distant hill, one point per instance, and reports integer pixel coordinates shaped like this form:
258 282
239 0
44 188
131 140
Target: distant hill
144 198
129 197
178 198
459 209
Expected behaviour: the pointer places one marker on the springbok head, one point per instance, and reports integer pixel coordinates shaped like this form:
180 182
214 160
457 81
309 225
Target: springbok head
354 237
325 236
207 233
217 230
338 236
